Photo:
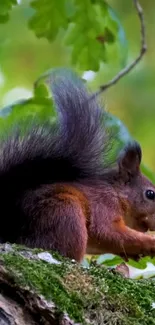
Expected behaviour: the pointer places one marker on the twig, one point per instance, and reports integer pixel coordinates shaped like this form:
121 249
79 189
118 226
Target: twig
129 67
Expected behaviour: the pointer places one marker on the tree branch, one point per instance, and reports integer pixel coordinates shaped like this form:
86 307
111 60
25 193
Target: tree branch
129 67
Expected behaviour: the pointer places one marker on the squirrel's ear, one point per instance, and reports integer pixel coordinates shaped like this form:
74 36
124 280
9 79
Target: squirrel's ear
130 159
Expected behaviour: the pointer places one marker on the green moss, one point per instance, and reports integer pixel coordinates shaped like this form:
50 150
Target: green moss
46 279
133 297
95 294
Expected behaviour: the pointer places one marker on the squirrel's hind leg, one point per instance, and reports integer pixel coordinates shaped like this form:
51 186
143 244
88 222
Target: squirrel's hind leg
55 222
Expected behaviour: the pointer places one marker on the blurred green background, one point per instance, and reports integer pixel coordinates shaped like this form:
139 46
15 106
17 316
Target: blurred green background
23 58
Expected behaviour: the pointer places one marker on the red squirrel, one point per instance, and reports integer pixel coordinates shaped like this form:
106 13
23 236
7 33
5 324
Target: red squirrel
58 193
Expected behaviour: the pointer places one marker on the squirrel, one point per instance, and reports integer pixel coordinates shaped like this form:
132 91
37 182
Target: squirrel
58 193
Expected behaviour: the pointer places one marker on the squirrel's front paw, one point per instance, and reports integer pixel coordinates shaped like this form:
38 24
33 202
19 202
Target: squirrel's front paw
148 246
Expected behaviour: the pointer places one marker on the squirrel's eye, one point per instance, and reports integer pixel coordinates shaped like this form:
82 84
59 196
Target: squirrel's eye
150 194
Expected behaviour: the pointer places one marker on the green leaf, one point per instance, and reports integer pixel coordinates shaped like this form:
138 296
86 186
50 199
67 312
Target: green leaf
5 7
49 17
86 36
23 112
142 263
109 37
40 90
109 260
92 29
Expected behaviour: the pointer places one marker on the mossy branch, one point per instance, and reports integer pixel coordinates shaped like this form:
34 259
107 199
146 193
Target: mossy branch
43 288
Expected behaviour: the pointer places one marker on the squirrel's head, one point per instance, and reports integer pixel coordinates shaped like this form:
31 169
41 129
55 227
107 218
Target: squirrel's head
137 192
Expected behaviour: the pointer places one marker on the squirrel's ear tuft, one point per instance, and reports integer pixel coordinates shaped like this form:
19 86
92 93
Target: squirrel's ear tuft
130 159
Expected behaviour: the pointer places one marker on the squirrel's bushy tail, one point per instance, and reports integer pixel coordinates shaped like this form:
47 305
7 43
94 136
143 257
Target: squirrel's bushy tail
72 149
